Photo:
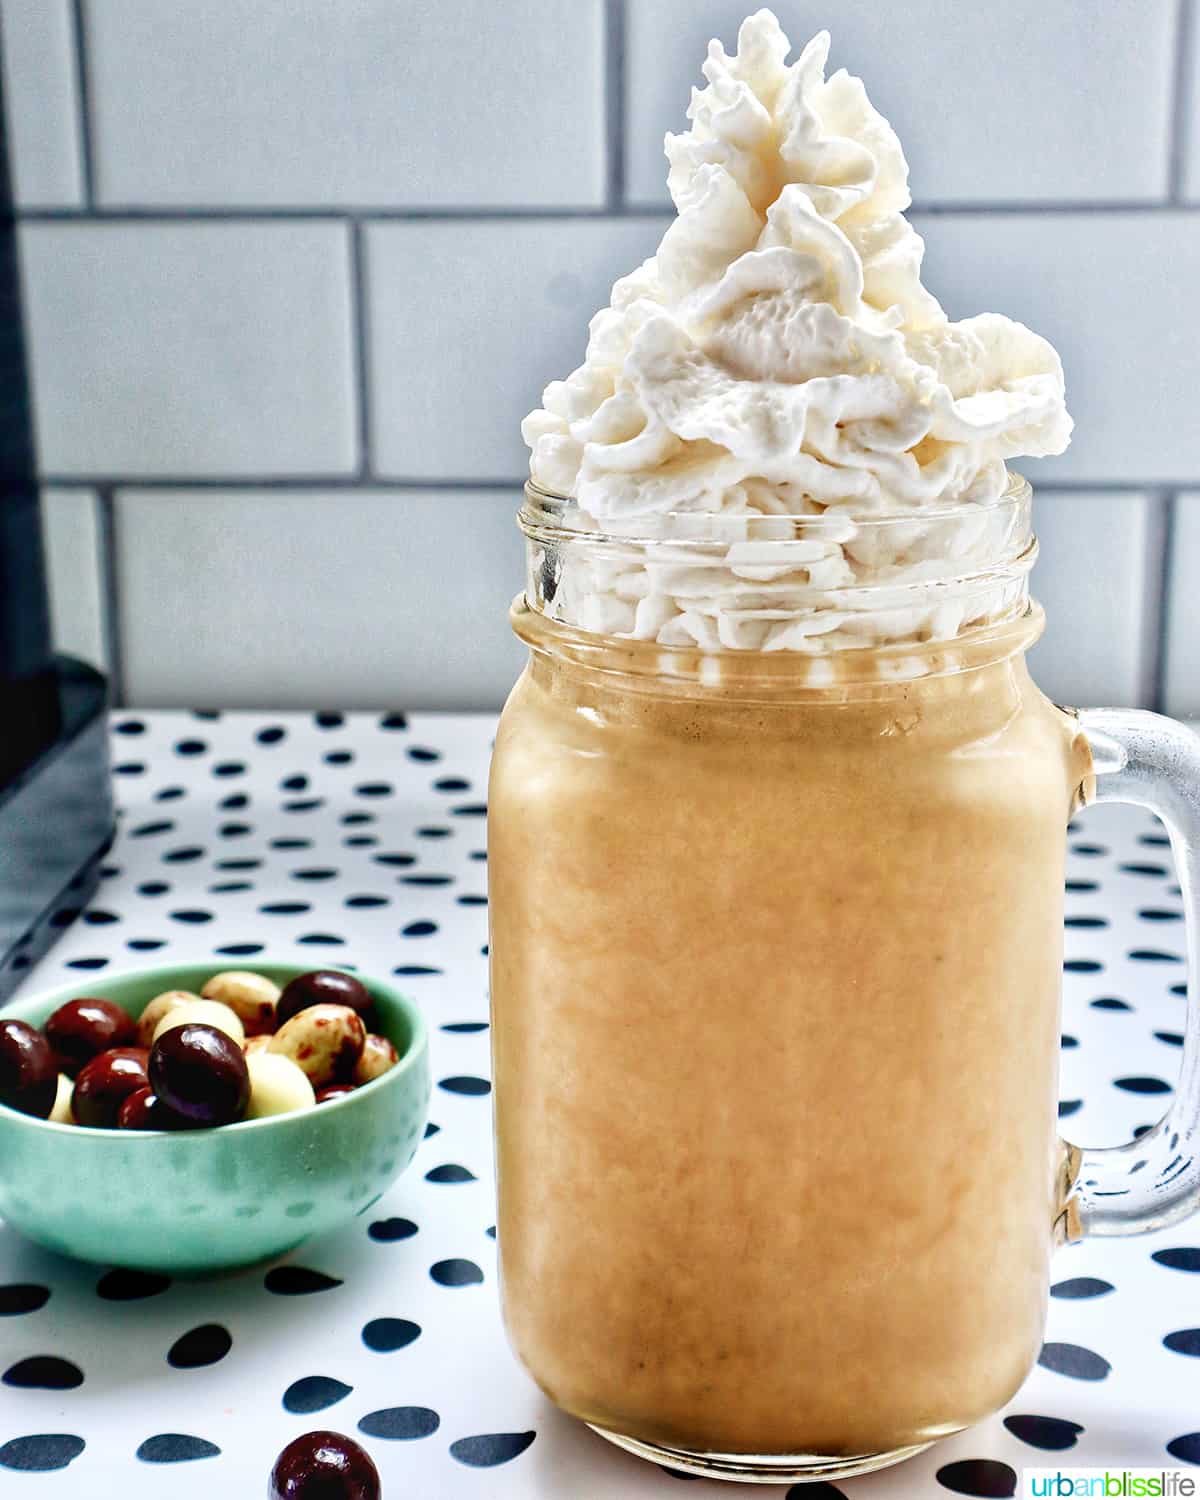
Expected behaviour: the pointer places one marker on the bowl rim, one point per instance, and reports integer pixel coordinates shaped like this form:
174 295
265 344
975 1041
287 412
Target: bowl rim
15 1008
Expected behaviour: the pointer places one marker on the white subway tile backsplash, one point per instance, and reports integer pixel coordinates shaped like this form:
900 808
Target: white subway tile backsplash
1191 121
320 102
470 321
295 598
41 103
191 349
1021 101
1182 675
1118 295
1091 578
74 565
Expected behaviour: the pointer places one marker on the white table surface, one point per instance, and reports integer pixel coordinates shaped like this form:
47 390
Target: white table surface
248 833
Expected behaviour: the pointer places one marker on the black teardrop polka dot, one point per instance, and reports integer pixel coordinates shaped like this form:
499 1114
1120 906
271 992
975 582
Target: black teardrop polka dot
1079 1287
314 1393
149 830
297 1281
451 1172
205 1345
465 1026
1170 1038
41 1452
129 726
44 1372
456 1273
386 1231
412 971
820 1490
1068 1107
472 1087
176 1448
22 1297
419 929
272 735
431 1129
367 902
1183 1341
396 861
1140 1084
329 719
130 1286
191 747
1083 966
978 1476
386 1335
401 1423
1110 1002
1054 1434
1186 1447
184 855
423 753
1181 1258
487 1449
394 721
1074 1361
239 950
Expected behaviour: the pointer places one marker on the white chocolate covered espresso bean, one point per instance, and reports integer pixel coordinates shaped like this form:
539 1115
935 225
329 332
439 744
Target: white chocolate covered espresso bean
252 998
325 1040
277 1085
204 1013
160 1006
378 1057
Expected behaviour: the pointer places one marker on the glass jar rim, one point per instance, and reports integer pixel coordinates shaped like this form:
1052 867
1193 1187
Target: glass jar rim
548 516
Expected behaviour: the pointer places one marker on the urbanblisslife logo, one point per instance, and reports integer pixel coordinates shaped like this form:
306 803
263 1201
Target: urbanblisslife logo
1112 1484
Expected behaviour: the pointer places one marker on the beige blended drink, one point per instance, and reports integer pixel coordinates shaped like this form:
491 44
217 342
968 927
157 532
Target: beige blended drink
777 832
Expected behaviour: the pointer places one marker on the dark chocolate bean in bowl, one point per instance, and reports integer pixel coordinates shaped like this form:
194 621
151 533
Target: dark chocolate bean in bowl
324 1466
196 1198
83 1028
28 1072
105 1084
324 987
144 1110
201 1074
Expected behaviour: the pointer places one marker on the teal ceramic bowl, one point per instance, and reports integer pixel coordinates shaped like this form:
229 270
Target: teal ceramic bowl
208 1200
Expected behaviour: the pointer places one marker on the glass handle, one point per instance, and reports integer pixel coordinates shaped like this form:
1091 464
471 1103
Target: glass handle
1153 1181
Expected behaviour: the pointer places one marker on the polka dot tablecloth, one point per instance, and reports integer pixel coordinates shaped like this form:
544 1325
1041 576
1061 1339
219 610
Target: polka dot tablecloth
319 838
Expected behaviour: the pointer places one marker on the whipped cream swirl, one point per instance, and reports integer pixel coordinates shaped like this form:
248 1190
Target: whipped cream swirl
779 358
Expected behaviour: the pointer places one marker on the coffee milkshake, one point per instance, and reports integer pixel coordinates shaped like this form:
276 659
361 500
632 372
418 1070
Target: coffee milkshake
777 825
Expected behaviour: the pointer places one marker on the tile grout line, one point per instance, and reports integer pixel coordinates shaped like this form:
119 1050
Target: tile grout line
359 313
1180 97
110 592
614 101
379 482
84 92
1156 609
372 485
384 215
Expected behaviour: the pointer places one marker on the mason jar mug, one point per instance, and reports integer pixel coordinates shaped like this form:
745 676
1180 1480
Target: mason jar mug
776 945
